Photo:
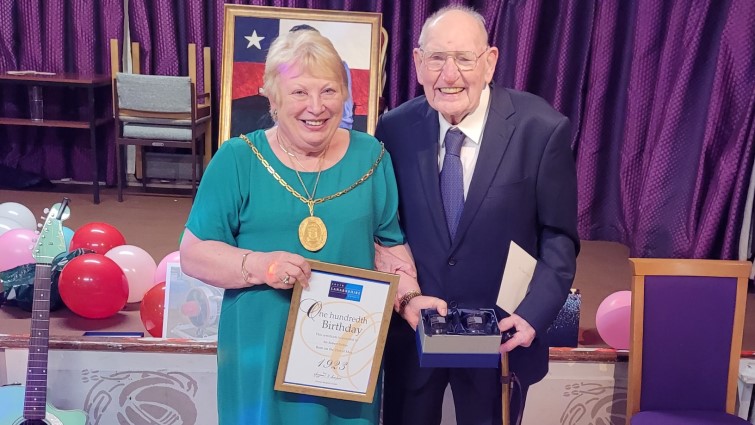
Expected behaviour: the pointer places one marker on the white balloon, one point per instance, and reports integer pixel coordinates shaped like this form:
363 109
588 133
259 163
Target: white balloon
20 214
8 224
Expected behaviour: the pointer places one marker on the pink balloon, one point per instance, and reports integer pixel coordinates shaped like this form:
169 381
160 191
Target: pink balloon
612 319
162 268
16 248
138 266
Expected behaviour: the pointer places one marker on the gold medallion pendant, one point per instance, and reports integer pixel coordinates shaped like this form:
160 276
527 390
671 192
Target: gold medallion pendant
312 233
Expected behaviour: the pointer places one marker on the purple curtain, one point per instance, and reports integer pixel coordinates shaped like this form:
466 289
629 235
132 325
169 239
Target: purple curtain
663 136
661 96
57 36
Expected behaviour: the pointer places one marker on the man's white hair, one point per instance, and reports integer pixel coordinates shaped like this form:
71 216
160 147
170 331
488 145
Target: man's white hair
442 11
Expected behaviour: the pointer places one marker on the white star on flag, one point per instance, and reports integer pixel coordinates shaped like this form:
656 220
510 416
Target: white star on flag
254 40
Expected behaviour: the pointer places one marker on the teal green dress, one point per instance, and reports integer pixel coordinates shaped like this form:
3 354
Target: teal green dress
240 203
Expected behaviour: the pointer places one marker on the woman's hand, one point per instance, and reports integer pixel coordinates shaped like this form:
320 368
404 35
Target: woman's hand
278 269
411 312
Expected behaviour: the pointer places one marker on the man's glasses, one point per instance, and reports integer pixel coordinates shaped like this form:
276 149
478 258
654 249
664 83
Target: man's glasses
465 61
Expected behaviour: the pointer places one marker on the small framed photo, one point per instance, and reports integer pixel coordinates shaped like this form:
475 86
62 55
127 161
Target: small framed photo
248 33
192 307
336 331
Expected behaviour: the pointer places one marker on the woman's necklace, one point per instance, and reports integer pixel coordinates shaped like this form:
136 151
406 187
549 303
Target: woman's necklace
312 231
312 228
290 154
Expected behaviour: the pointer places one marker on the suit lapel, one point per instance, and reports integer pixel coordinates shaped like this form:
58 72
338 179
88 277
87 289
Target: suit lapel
495 138
426 133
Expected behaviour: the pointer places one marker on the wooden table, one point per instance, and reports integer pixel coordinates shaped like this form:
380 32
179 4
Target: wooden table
89 121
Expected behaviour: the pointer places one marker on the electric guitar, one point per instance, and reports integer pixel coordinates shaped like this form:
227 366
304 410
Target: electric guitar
28 405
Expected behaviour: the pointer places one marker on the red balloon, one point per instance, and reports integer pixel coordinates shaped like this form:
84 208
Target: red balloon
99 237
151 310
93 286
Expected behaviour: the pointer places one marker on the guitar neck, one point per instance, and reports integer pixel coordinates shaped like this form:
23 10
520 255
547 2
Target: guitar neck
35 396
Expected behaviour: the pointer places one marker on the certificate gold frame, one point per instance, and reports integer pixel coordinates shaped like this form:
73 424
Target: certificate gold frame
247 34
336 332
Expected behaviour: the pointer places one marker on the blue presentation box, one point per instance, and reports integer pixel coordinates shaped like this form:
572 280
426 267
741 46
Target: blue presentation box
459 350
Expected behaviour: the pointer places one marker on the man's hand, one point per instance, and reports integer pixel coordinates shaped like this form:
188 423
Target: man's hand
523 336
411 312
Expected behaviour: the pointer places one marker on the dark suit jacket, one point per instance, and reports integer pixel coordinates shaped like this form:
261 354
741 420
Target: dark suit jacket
523 190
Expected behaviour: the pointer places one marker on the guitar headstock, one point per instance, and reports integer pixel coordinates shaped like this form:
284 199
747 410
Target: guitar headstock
51 241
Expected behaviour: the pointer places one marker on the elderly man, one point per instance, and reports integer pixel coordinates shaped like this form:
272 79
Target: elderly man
478 166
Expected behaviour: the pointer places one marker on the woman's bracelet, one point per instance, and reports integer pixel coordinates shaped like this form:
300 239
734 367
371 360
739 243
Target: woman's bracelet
404 301
244 273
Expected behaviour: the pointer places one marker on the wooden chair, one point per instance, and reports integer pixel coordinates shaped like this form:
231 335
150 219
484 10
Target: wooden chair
686 341
160 112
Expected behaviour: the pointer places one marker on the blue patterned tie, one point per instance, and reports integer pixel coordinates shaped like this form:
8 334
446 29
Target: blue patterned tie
452 180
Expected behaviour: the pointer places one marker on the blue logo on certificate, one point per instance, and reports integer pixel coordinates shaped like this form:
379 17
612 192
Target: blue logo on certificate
345 291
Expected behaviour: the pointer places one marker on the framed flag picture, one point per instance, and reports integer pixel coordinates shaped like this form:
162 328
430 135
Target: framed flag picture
248 32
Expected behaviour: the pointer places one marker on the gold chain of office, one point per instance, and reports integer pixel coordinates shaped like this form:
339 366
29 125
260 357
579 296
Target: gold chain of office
312 202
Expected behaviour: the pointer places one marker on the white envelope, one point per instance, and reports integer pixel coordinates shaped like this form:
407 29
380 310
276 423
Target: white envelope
520 266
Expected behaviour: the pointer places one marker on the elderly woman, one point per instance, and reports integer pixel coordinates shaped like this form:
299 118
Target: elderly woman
243 230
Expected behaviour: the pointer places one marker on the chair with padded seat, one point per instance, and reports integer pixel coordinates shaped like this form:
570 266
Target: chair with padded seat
160 111
686 341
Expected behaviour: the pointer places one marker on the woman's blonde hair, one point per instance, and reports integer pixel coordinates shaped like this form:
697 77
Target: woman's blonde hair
309 51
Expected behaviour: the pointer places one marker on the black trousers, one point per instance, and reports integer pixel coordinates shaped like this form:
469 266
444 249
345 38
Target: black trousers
425 407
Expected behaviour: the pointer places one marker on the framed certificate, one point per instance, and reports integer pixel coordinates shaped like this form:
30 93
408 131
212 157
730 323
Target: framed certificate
336 333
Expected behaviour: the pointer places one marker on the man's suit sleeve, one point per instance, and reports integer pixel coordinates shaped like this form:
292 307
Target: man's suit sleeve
380 129
556 192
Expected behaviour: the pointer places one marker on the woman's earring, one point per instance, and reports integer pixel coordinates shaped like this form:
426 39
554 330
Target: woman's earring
274 113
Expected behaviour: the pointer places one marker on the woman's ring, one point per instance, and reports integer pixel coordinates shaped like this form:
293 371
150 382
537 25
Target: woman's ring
286 279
